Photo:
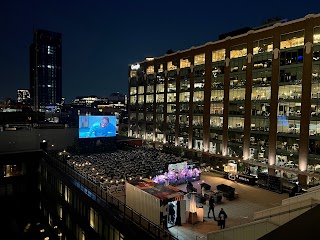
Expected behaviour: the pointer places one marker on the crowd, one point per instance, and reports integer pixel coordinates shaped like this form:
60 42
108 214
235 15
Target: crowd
111 169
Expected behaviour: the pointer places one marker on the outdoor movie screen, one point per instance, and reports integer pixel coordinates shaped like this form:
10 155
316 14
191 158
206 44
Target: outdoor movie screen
97 126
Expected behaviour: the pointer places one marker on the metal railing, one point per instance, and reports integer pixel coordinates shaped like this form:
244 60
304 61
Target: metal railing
100 195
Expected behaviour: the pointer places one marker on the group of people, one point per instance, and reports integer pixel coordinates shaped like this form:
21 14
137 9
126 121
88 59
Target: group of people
222 216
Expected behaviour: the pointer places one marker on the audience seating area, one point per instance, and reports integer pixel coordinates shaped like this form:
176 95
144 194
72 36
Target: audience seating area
111 170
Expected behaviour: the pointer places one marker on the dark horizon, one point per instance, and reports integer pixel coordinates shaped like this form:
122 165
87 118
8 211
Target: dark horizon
100 40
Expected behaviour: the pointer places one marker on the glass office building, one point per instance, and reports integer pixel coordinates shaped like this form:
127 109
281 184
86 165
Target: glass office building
252 98
45 70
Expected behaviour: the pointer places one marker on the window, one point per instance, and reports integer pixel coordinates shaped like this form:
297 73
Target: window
291 40
238 51
184 63
170 66
133 90
59 208
133 100
133 73
262 46
184 97
149 98
150 70
160 98
80 233
141 90
67 194
316 35
141 99
160 69
199 59
13 170
218 55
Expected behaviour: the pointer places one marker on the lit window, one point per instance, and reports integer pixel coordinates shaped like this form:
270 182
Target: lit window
170 66
150 70
160 68
316 35
291 40
238 51
218 55
199 59
184 63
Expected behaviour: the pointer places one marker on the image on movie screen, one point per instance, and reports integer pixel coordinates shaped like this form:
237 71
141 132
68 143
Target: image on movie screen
97 126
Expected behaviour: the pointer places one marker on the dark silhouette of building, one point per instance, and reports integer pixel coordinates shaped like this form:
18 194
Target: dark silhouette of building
45 70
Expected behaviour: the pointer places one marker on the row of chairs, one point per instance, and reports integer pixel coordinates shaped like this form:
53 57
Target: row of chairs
111 170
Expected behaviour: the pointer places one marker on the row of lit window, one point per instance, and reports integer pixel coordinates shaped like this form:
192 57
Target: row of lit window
265 45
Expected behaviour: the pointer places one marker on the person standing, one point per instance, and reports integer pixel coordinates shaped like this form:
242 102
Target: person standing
222 218
211 207
172 213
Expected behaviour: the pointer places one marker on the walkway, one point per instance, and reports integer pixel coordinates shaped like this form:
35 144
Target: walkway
239 210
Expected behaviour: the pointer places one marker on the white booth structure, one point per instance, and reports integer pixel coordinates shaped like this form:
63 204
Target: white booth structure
148 198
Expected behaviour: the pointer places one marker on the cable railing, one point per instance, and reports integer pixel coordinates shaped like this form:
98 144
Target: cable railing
101 196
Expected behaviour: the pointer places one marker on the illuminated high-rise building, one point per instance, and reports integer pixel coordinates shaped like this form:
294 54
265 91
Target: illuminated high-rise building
45 70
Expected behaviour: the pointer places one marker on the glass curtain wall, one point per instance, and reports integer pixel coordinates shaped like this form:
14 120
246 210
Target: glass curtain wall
133 102
260 97
314 127
216 101
171 104
150 104
159 106
184 101
289 99
141 103
237 100
198 102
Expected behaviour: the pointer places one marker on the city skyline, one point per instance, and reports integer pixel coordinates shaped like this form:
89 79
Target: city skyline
100 40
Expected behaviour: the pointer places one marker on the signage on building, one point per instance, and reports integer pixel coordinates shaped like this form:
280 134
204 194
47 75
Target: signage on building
248 179
135 66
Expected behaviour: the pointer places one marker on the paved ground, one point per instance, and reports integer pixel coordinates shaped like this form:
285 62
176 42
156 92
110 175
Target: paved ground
241 210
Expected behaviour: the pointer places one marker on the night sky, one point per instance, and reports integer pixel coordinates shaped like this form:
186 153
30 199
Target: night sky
100 38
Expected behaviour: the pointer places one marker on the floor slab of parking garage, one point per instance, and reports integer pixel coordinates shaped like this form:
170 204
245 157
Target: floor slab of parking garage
240 210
